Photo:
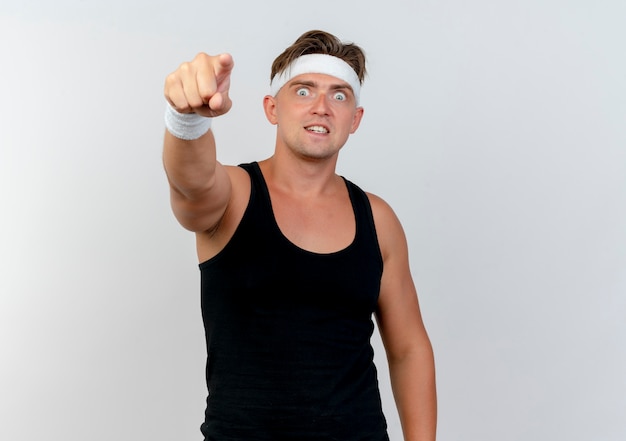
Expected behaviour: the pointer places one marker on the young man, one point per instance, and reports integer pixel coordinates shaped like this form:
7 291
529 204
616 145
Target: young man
295 260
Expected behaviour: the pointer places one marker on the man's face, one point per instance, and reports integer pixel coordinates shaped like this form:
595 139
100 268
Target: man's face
315 114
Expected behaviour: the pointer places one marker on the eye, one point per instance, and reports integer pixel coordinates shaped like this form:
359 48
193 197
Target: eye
303 91
340 96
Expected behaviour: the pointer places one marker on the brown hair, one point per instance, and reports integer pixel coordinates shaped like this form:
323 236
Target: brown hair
320 42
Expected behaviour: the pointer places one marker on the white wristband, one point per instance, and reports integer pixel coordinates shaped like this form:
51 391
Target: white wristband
186 126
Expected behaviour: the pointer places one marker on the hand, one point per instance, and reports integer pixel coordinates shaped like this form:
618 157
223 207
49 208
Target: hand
201 86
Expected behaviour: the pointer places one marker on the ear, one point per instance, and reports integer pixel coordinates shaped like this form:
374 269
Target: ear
356 121
269 106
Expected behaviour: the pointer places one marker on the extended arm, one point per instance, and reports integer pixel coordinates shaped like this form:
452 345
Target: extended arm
409 352
199 185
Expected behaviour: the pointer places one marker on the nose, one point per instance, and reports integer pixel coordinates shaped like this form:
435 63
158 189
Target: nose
320 105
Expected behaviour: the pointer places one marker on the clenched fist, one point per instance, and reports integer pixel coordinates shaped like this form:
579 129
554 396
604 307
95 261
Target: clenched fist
201 86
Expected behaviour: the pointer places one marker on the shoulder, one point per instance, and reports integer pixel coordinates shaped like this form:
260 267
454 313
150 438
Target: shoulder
389 230
210 242
240 194
237 174
384 216
380 207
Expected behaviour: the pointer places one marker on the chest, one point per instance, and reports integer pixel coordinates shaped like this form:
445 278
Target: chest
320 225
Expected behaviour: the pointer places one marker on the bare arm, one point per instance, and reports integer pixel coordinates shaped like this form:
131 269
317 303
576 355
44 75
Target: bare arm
200 187
409 352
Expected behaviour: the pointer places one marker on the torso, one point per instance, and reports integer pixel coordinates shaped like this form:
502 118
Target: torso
288 328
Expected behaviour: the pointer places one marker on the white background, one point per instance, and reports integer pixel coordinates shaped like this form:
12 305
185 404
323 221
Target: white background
496 130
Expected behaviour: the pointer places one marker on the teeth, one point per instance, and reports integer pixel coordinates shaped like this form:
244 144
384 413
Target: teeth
317 129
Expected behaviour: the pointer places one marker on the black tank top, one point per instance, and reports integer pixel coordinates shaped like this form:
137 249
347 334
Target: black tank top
288 332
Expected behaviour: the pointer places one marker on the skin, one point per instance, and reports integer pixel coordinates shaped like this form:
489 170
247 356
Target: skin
310 202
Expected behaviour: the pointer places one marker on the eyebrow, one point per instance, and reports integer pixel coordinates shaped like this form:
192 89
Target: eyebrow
314 84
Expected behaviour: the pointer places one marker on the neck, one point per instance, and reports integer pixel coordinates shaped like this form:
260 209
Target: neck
302 176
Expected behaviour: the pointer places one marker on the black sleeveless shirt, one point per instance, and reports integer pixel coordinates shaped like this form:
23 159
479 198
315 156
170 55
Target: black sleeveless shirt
288 332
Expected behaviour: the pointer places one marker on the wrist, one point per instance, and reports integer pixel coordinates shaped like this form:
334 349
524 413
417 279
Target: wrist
187 126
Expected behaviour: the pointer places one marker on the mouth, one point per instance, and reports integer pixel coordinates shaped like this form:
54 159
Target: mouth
317 129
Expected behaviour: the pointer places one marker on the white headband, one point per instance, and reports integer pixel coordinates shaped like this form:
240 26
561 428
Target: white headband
321 64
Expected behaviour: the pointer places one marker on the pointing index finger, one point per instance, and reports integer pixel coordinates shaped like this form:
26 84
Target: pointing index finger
224 65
